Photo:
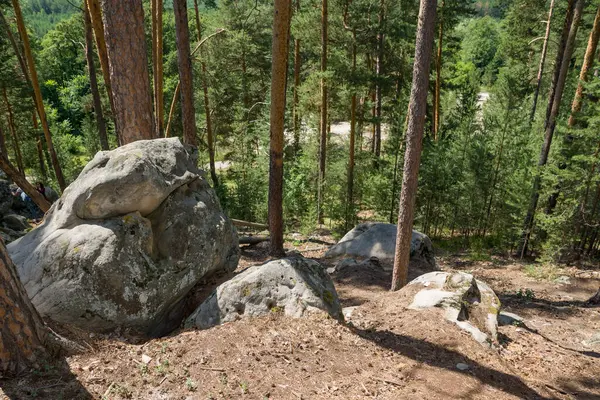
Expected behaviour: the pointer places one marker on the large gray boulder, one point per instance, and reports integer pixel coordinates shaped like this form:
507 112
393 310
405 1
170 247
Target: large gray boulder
127 241
469 303
293 286
378 240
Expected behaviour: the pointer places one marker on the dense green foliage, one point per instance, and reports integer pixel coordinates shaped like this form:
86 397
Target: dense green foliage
475 180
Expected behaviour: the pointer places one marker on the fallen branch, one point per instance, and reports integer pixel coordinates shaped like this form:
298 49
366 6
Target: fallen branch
213 369
239 222
253 239
389 381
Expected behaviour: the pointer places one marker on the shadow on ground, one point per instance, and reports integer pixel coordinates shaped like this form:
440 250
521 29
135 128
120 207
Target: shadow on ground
438 356
51 380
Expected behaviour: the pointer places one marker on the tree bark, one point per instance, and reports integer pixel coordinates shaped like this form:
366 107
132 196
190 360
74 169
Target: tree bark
13 133
323 124
98 28
551 124
281 23
559 57
297 66
128 63
197 16
588 62
157 55
438 78
209 130
542 61
414 140
184 62
89 57
379 73
350 199
23 335
40 147
38 94
2 141
14 45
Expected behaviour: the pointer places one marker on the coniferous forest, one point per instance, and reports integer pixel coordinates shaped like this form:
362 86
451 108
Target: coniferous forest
500 169
162 163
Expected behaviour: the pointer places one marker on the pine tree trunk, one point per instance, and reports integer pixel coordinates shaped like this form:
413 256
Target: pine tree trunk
184 62
564 37
281 22
128 62
588 62
373 119
542 62
323 125
40 147
157 56
2 141
350 199
38 94
379 74
197 16
89 57
297 66
414 140
172 109
13 133
23 335
551 124
98 28
13 43
209 130
438 78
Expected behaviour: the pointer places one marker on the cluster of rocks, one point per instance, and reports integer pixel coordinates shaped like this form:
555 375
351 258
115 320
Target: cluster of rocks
13 214
140 229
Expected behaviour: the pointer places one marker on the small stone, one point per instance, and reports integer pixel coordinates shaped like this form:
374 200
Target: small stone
146 359
563 280
506 318
462 366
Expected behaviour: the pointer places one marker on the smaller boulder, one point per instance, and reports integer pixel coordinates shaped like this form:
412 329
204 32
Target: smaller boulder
466 301
506 318
15 222
293 286
378 240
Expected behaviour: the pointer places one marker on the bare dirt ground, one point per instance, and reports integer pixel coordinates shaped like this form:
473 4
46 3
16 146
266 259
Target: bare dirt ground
384 352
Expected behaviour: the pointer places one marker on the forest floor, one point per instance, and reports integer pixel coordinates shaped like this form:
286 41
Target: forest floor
385 352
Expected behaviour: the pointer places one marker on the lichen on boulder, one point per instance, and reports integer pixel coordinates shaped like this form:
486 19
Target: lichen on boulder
469 303
127 241
293 286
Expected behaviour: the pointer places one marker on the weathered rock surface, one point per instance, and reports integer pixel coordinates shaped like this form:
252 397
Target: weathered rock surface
379 240
466 301
506 318
127 241
15 222
293 286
